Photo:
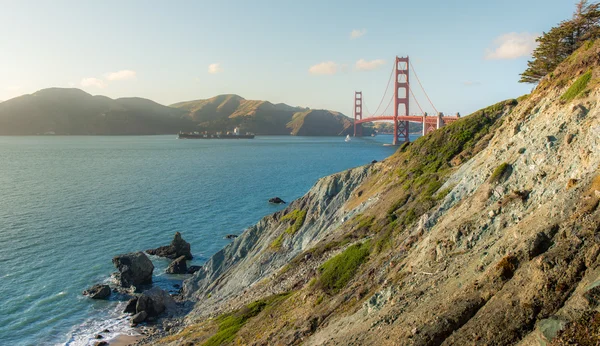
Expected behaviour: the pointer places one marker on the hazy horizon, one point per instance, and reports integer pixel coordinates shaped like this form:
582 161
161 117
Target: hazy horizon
310 54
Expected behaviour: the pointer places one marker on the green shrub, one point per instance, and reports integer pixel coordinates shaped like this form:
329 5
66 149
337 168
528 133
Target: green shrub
339 270
297 216
499 172
577 87
230 324
276 244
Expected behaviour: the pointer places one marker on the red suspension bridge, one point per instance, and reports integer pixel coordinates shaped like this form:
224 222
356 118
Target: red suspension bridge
401 99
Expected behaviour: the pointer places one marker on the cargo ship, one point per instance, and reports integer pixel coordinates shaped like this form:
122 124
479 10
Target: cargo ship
219 135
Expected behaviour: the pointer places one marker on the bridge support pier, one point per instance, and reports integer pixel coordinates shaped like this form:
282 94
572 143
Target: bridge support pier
357 113
401 132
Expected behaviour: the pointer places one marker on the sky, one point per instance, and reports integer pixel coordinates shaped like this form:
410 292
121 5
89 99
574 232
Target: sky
467 54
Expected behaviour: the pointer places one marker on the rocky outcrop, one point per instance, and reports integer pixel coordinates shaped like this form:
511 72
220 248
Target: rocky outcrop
98 291
155 301
134 268
139 317
130 307
193 269
276 200
250 257
177 248
178 266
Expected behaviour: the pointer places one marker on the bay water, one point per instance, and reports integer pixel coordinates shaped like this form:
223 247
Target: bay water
69 204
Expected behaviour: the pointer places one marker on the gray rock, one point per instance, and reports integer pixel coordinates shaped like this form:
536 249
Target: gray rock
130 307
139 317
155 301
177 248
178 266
134 269
193 269
276 200
98 292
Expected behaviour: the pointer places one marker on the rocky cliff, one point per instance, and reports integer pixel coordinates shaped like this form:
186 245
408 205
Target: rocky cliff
483 232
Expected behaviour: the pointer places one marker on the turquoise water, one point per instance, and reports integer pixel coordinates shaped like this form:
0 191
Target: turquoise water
69 204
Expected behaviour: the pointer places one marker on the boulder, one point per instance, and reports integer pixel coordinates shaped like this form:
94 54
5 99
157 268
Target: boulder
276 200
231 236
134 269
374 161
154 302
178 266
130 307
193 269
139 317
177 248
98 292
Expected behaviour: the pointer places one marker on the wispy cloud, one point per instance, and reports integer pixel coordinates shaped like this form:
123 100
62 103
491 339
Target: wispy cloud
356 33
120 75
215 68
364 65
324 68
471 83
512 46
93 82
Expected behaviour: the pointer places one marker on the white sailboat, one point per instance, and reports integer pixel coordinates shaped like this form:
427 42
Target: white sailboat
347 138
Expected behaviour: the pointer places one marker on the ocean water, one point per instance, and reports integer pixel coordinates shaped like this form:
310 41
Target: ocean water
69 204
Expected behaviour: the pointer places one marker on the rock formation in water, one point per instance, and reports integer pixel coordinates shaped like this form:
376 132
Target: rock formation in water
485 232
177 266
98 291
134 269
177 248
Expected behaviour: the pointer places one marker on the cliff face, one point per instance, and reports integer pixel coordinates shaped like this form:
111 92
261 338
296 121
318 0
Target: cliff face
272 243
485 231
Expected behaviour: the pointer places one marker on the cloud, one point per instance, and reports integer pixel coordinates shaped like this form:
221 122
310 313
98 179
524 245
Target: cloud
512 46
364 65
121 75
357 33
215 68
93 82
13 88
324 68
471 83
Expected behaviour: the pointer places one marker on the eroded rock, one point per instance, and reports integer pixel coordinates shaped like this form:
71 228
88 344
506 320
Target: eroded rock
98 291
134 268
178 266
177 248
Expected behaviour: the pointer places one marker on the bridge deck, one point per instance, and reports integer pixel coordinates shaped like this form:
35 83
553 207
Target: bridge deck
411 118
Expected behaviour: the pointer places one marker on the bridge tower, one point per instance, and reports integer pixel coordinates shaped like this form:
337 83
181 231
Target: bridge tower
401 99
357 113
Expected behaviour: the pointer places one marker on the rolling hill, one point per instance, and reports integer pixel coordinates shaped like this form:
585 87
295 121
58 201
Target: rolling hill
65 111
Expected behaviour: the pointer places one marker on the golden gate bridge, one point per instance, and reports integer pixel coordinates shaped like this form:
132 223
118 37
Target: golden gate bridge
401 100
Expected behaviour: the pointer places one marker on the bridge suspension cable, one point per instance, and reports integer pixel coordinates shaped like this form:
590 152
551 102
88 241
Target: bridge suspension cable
385 93
421 85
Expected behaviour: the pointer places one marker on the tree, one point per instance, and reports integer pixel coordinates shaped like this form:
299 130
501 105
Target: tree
561 41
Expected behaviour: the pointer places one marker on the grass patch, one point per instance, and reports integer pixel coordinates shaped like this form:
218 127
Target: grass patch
230 324
339 270
577 87
276 244
499 172
297 217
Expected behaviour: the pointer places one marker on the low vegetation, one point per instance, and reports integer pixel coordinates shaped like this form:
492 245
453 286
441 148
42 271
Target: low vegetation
297 218
339 270
577 87
499 172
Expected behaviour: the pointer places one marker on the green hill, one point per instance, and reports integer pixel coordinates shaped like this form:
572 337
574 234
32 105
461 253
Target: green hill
63 111
225 112
75 112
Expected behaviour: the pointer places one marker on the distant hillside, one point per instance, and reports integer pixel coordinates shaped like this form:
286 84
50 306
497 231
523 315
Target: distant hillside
75 112
63 111
224 112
